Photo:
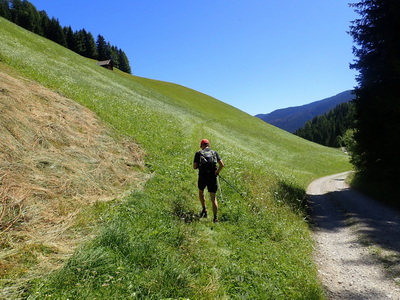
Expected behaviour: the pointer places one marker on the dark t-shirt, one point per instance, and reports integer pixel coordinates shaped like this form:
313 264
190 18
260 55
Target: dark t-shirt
197 160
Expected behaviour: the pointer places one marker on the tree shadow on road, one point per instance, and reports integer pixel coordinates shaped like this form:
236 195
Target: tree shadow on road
375 224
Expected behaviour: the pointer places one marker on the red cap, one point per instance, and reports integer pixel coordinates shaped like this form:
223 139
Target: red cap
204 141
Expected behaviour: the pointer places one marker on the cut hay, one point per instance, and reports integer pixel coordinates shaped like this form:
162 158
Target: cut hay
56 157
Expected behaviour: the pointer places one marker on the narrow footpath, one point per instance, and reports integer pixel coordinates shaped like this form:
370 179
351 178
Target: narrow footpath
357 242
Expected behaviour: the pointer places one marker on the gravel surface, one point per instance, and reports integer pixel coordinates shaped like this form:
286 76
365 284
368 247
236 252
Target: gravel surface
357 242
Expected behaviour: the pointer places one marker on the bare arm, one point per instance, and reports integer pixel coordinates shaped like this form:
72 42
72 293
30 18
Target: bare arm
220 166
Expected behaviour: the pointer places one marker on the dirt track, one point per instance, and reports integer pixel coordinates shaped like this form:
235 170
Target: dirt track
357 242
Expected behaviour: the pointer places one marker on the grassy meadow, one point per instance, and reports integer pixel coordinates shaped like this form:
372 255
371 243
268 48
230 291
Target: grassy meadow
150 245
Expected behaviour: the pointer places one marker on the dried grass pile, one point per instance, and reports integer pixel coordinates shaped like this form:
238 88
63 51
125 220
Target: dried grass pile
56 157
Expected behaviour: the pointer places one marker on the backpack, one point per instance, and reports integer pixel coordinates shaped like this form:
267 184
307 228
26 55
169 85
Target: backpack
208 160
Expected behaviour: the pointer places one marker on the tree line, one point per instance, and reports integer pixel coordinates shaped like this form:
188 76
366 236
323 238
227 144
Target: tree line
25 14
330 129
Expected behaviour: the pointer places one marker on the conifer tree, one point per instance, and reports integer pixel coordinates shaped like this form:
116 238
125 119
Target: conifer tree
85 44
115 56
80 41
5 9
101 46
70 38
90 46
56 32
124 62
15 9
377 50
29 17
44 24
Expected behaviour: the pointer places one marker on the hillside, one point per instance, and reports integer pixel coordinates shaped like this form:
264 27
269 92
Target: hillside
292 118
146 242
56 159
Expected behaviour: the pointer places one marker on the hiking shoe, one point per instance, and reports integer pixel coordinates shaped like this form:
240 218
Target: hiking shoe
215 220
203 213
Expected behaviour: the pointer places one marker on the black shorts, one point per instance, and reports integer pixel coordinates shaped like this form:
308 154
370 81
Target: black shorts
209 181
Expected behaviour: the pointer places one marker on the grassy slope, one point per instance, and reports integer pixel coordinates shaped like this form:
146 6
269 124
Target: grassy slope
262 249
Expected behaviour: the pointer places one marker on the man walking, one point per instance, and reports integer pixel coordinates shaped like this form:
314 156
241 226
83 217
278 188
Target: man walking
206 161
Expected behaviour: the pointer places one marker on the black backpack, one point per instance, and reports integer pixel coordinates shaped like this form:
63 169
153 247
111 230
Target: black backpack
208 160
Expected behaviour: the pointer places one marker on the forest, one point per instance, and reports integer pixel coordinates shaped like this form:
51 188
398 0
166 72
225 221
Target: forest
25 14
377 56
331 128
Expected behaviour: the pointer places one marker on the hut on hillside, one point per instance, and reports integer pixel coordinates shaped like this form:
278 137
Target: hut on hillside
109 64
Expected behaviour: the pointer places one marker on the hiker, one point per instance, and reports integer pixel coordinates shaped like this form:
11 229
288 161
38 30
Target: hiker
206 161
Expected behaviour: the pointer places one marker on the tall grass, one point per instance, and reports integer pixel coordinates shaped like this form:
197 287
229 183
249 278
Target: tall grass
153 247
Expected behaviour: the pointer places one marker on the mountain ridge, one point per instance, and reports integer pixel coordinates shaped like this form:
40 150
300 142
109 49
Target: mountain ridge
292 118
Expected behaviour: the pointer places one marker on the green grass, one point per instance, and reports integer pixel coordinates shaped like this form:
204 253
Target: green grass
149 248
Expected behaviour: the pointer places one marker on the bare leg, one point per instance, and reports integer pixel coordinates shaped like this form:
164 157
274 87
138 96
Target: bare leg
214 204
202 199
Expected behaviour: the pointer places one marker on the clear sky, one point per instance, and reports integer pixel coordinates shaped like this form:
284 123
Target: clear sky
256 55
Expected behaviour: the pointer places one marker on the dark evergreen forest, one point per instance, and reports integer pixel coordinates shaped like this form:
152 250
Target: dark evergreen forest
328 129
377 51
376 35
25 14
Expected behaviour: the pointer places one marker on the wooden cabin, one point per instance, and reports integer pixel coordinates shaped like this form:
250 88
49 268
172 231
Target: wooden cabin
109 64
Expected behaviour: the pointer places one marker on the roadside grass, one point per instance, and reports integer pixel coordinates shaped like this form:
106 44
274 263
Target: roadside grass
151 245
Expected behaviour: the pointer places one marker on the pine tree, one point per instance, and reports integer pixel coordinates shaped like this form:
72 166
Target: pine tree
85 44
15 9
377 50
5 9
70 38
115 56
44 24
124 62
80 41
56 33
90 46
29 17
101 46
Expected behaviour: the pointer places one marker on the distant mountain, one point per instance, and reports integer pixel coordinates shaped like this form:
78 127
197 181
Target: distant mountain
292 118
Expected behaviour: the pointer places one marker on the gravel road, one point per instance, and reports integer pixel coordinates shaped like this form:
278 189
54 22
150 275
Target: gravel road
357 242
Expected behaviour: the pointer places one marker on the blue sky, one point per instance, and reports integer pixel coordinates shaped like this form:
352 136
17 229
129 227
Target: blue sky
256 55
